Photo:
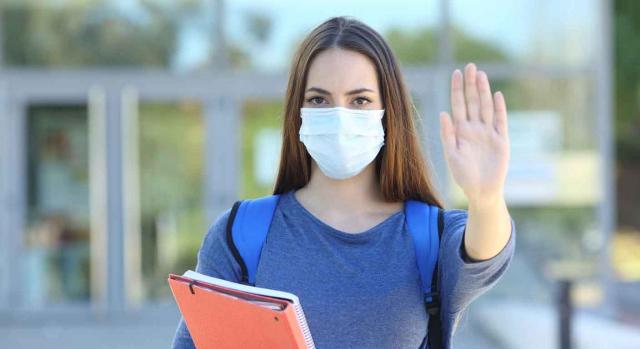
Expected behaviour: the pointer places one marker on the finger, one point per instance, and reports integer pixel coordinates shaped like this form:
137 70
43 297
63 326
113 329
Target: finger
486 101
471 92
458 107
447 132
500 114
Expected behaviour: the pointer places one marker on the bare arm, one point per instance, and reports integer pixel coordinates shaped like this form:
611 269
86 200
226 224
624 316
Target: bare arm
488 228
476 146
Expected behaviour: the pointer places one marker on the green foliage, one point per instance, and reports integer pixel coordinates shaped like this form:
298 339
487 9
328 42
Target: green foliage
78 33
555 232
86 33
171 153
627 79
257 115
420 46
413 47
467 48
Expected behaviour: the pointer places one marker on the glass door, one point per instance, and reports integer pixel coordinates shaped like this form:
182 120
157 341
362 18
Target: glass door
57 232
58 257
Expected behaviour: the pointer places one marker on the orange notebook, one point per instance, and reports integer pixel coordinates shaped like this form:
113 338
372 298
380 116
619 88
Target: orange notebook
225 314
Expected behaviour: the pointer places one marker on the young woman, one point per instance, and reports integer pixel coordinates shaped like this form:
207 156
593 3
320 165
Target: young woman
350 159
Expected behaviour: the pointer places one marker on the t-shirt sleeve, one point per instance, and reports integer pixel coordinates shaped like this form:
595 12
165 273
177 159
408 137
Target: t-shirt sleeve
214 259
462 278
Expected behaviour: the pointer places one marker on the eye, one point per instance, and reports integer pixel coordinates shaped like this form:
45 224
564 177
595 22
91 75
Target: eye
362 99
310 100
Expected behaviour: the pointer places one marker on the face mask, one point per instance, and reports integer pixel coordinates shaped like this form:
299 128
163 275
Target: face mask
342 141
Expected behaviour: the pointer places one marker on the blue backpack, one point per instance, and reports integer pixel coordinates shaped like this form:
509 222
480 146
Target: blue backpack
249 222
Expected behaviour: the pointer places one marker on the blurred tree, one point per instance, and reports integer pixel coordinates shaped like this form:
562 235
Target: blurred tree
239 59
81 33
627 78
416 47
259 25
76 33
259 28
258 116
627 110
471 49
413 47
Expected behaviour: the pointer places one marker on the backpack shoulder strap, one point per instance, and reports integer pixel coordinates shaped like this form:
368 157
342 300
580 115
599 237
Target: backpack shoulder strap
425 224
434 329
422 223
247 228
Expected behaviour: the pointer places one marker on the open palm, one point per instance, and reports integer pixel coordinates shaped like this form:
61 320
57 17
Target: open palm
476 141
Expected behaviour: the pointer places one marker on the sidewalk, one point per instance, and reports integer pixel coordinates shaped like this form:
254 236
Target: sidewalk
489 324
150 331
518 325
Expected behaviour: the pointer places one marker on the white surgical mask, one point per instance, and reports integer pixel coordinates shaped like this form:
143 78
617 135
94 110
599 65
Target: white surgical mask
342 141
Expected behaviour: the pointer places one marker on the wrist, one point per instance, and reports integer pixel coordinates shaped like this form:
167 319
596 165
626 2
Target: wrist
486 201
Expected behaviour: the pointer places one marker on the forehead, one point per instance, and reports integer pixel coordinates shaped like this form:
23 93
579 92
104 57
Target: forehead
339 70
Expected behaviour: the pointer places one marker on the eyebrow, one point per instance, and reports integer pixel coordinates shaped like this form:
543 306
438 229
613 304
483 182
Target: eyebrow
352 92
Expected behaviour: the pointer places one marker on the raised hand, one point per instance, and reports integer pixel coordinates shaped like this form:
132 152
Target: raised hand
476 141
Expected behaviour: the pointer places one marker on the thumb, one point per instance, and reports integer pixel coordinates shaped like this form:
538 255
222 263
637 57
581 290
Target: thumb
447 132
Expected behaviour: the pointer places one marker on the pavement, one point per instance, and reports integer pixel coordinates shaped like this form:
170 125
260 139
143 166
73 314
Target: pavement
154 329
522 325
490 323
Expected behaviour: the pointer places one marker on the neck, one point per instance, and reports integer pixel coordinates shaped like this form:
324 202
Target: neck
356 194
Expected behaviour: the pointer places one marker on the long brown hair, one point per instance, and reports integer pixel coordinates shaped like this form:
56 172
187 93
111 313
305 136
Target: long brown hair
400 164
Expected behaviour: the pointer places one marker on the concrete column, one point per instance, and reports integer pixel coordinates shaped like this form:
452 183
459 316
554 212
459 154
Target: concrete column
115 231
222 154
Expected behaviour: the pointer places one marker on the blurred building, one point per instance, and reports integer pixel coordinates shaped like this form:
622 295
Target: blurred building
126 128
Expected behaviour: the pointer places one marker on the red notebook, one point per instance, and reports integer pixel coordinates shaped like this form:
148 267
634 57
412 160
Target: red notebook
225 314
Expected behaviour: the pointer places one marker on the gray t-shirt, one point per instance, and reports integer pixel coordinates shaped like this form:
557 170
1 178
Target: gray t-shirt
357 290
